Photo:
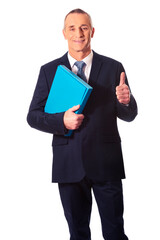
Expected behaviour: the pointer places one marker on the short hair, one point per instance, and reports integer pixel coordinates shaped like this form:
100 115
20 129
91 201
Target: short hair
80 11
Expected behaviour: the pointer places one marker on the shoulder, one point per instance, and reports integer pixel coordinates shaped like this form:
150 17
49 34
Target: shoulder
109 63
54 63
49 69
106 59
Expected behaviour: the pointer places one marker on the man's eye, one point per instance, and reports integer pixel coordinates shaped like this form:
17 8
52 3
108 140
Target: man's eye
84 28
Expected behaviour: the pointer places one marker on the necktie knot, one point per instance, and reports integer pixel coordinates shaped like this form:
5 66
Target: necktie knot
80 65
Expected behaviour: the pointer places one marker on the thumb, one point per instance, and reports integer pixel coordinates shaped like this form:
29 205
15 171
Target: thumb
122 79
75 108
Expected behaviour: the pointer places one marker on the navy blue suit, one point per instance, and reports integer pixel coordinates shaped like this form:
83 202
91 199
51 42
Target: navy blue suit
94 150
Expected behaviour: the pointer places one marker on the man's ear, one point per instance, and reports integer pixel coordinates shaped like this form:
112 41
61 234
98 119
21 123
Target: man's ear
93 31
64 34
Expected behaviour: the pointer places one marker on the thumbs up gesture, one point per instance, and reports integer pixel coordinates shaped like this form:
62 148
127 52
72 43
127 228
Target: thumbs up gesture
122 91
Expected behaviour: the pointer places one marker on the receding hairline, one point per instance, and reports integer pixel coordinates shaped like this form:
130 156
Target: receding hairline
78 11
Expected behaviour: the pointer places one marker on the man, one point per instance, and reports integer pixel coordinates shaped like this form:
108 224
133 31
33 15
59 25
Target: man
91 158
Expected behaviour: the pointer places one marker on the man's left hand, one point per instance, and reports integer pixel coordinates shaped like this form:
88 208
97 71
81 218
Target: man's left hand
122 91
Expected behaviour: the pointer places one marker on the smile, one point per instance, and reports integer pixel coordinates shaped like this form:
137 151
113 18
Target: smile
78 41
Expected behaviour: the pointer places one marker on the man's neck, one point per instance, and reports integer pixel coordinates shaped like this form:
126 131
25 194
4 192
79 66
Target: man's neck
79 55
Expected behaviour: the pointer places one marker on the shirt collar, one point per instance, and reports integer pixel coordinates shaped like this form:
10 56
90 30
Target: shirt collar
87 60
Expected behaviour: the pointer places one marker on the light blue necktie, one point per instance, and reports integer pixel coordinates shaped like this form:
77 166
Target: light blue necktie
80 65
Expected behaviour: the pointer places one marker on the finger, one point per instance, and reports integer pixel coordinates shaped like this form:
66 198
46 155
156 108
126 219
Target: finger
123 97
80 117
124 101
122 91
74 108
122 79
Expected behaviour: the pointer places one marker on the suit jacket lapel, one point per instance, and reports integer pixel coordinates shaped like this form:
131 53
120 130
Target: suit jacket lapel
65 61
96 66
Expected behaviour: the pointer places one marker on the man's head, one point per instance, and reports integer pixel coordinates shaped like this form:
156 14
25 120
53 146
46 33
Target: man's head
78 31
79 11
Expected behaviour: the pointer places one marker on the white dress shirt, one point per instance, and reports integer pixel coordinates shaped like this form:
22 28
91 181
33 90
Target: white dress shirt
87 60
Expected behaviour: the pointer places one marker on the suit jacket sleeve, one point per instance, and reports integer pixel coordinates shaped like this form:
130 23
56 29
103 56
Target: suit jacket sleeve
37 118
129 112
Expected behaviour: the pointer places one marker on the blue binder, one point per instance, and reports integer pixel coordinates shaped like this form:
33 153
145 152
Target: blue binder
67 90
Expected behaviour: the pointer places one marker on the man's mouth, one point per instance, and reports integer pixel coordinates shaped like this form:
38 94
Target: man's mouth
78 41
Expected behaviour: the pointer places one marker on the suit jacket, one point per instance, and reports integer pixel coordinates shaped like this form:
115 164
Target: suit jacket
94 150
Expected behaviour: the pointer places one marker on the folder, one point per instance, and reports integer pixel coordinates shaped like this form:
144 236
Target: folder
67 90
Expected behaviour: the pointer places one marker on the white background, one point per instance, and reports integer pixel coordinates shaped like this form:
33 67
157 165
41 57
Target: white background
31 35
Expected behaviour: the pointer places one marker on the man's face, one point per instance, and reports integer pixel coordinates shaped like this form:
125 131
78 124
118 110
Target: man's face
78 33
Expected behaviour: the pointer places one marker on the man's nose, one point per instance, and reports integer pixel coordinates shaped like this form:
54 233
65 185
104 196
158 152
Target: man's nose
79 33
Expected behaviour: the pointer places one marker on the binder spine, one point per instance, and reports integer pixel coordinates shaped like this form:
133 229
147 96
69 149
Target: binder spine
84 101
69 133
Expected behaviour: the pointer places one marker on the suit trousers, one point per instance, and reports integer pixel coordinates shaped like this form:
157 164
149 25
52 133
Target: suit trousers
77 203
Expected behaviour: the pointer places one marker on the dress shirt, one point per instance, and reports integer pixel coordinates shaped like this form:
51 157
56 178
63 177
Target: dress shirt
87 60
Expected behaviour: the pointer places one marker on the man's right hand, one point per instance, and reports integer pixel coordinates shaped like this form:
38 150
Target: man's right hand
72 120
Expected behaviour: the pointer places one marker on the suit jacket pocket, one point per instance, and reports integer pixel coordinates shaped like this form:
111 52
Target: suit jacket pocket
59 140
112 139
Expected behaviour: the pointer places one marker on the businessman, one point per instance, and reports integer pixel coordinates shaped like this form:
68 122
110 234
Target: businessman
91 158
